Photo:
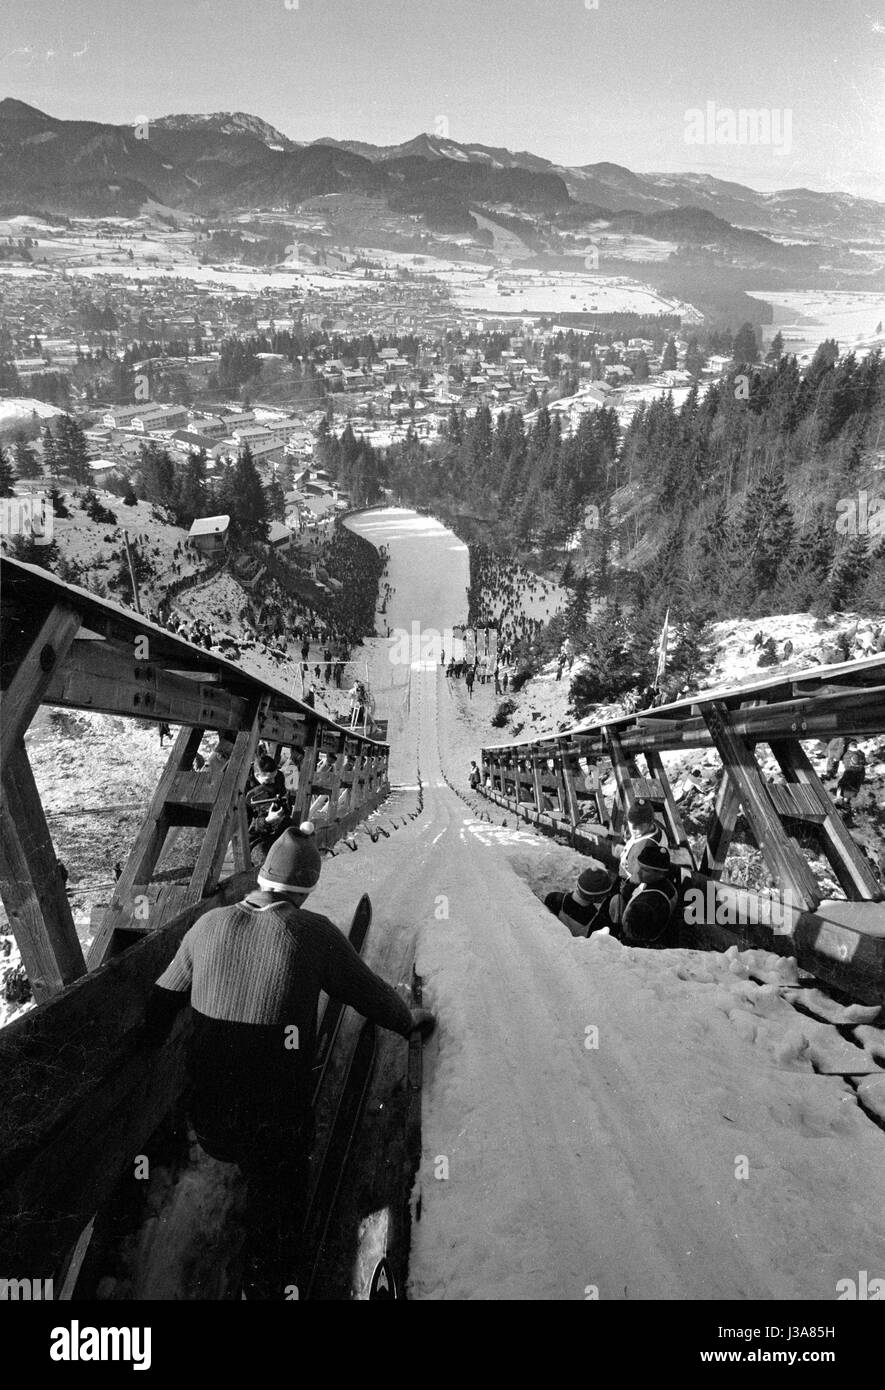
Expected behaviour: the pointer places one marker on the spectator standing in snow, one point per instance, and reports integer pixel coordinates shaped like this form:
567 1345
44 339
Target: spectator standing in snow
854 772
585 908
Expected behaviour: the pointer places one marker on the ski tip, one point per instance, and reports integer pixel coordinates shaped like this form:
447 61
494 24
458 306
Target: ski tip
383 1283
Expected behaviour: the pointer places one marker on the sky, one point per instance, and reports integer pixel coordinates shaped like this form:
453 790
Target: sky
576 81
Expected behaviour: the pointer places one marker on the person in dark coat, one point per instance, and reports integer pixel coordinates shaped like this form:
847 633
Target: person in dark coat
584 909
643 910
835 750
252 974
854 773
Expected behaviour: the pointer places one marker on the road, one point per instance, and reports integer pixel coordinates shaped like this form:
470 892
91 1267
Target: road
597 1121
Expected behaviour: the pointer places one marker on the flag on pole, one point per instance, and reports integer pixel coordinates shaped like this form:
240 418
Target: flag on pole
662 652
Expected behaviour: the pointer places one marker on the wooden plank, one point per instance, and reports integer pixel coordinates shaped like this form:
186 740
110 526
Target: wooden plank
864 716
790 802
35 671
44 1208
790 869
31 884
854 873
240 838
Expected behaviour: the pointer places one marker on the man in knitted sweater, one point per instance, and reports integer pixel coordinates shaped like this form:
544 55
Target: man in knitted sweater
253 973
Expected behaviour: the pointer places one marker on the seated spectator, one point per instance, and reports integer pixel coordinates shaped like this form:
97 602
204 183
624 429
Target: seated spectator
585 909
269 783
641 912
270 823
642 828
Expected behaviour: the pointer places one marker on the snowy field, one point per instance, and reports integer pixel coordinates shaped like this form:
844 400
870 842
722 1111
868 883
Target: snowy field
807 317
248 280
552 292
20 410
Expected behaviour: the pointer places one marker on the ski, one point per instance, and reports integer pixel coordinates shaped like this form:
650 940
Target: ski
333 1163
331 1021
389 1275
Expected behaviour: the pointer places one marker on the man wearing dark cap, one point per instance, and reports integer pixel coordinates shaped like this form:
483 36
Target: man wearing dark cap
253 973
642 912
584 909
641 829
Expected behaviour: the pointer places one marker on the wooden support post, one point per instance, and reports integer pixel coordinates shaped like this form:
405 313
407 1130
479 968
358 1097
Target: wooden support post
33 674
855 875
721 828
675 828
207 869
335 784
568 769
31 884
790 868
146 848
240 838
623 780
537 789
306 772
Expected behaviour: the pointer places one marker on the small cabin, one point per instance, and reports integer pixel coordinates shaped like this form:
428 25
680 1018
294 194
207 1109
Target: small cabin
208 534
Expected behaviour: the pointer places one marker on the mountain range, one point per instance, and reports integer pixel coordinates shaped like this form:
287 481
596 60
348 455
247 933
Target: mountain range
233 161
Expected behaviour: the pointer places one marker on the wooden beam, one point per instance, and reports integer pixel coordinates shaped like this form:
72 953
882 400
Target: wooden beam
210 857
671 811
720 830
146 848
33 674
306 774
31 884
107 678
623 780
789 867
855 875
287 727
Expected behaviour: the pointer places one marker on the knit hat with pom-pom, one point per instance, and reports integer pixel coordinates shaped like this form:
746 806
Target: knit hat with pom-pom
293 860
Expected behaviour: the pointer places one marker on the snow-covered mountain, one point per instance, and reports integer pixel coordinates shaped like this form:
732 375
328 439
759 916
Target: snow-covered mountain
229 123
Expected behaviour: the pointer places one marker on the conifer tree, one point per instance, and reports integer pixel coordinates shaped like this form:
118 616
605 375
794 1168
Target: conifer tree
7 476
27 465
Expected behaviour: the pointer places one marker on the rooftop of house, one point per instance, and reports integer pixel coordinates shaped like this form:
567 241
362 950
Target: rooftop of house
209 525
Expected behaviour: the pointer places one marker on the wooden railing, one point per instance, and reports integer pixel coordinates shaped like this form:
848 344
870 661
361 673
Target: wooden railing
556 783
80 1091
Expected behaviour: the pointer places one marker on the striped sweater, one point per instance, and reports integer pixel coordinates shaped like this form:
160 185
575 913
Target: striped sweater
253 973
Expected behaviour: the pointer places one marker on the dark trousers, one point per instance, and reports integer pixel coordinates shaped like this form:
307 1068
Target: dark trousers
274 1164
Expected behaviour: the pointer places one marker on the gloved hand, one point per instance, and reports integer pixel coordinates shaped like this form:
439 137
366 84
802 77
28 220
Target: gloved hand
424 1021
